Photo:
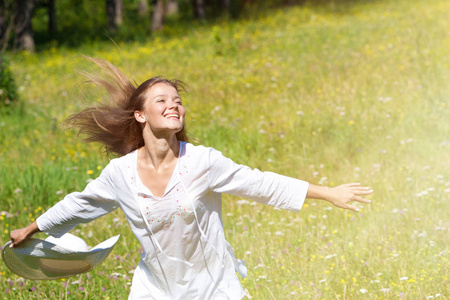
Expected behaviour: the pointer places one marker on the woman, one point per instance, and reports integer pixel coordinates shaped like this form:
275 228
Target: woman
170 192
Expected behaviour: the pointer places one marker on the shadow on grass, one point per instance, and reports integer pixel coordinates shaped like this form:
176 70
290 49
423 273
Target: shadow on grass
87 26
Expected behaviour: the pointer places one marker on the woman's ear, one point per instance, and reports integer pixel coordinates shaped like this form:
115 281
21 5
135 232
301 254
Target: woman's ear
139 116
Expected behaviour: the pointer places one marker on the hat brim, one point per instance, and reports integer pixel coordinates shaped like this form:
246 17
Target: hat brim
40 260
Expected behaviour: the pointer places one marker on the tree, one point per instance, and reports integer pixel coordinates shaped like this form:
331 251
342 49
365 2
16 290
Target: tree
171 7
8 88
114 10
199 9
142 8
158 15
225 4
51 17
23 33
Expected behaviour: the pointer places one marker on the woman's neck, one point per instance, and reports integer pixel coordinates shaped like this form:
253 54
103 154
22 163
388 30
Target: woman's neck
159 152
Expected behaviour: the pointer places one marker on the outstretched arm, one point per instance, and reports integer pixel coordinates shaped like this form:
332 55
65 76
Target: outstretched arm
340 196
97 199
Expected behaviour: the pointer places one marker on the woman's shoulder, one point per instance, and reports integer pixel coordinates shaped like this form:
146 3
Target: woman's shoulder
123 161
197 150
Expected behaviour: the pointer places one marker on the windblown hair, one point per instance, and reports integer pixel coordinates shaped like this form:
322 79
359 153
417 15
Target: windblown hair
114 124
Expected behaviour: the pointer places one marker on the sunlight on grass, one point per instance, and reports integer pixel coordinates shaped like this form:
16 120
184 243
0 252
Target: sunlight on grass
328 94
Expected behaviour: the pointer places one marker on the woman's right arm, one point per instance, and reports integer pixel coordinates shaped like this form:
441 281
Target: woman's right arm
97 199
21 235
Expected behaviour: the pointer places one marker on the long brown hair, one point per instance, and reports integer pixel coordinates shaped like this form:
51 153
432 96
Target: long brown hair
114 125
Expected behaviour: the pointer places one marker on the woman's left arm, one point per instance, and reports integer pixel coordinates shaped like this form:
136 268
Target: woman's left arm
225 176
341 195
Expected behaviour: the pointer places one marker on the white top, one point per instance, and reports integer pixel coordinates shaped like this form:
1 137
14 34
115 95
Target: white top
185 254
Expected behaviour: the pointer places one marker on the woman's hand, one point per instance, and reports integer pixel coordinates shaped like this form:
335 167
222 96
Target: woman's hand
22 235
345 193
340 196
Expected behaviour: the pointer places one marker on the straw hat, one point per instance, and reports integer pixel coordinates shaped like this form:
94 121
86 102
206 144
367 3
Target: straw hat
55 258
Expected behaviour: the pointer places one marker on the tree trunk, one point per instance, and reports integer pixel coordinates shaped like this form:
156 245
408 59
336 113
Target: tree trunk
114 12
158 15
199 9
171 7
23 26
118 18
51 17
225 5
142 8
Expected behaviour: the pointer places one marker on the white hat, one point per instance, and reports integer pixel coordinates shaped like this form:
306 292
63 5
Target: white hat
55 258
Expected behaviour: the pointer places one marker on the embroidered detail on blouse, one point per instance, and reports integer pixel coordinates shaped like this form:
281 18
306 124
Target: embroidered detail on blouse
166 209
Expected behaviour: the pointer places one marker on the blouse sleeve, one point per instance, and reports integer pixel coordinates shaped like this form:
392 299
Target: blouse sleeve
97 199
225 176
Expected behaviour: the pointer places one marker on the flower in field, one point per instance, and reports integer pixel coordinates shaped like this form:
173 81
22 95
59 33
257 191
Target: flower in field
90 172
363 291
240 202
322 180
384 99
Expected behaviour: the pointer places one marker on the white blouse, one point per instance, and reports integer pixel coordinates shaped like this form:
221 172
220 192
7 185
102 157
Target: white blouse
185 254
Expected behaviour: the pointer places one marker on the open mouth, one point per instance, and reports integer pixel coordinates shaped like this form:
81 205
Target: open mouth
170 116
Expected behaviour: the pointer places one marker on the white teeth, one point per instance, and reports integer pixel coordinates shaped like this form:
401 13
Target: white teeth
172 115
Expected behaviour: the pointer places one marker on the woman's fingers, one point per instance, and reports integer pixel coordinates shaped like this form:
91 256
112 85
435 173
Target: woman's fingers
353 207
353 184
363 192
361 199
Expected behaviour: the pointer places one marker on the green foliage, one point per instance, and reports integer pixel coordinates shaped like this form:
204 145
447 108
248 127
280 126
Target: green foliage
329 94
8 88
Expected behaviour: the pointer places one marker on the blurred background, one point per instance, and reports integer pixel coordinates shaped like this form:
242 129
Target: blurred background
328 91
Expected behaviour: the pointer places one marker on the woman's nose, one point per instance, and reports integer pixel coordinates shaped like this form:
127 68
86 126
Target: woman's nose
172 104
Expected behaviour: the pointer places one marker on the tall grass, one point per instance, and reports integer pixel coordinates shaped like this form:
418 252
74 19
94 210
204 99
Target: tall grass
330 94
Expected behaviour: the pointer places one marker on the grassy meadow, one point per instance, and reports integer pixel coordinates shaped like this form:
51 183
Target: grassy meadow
331 93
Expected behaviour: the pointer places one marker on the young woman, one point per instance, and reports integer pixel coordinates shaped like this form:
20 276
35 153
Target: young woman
170 192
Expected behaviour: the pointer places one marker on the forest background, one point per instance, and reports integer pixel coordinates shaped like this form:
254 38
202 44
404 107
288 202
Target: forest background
326 91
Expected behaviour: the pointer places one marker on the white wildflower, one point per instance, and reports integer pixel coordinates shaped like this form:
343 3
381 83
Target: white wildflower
243 201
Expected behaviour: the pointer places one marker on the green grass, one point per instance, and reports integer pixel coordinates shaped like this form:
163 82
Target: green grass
329 94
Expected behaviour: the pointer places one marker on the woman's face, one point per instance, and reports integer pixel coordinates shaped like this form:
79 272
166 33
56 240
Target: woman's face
163 110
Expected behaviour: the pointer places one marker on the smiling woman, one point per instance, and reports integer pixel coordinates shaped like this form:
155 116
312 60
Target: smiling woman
114 125
170 192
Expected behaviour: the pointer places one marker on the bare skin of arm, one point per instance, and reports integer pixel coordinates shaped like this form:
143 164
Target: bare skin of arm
21 235
340 196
